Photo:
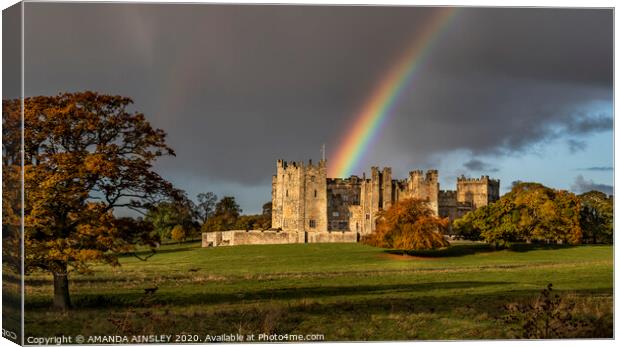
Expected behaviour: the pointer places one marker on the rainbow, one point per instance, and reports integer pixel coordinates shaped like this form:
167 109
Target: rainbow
376 109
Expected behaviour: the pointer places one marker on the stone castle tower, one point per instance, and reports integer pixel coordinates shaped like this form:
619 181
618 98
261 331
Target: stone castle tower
298 195
306 200
477 191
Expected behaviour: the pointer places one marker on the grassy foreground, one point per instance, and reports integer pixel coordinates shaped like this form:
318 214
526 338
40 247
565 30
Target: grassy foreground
343 291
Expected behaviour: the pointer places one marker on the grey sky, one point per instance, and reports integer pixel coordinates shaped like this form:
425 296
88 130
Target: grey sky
238 86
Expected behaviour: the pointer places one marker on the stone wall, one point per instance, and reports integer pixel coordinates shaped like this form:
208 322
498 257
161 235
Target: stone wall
257 237
342 194
333 237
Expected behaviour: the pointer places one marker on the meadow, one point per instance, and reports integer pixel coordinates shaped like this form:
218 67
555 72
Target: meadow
343 291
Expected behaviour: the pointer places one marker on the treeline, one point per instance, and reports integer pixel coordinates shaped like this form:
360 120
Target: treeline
183 218
531 212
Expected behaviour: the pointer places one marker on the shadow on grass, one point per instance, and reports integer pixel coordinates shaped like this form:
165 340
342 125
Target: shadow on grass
469 249
291 293
373 309
143 253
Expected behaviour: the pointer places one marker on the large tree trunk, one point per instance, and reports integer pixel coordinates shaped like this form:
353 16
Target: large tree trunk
62 301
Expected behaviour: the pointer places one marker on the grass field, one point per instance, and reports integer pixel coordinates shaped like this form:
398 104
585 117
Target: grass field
343 291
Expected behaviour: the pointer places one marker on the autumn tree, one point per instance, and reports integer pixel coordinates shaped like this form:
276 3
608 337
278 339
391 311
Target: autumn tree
11 185
85 157
597 217
529 212
178 233
409 224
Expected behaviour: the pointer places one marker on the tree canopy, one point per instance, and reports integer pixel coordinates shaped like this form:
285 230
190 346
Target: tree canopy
227 211
597 217
529 212
408 225
167 214
206 206
86 155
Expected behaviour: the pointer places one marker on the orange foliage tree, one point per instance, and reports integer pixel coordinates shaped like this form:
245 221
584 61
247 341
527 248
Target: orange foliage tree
85 155
409 225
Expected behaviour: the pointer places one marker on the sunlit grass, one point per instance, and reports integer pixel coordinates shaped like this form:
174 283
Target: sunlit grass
345 291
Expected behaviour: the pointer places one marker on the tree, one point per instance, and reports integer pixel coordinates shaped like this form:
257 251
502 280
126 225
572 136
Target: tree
247 222
596 217
206 206
85 156
11 189
464 227
167 214
228 207
409 225
264 220
529 212
267 209
178 233
227 211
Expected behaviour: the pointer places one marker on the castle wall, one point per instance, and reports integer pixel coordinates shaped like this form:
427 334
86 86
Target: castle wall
332 237
342 194
315 214
356 219
258 237
366 206
451 208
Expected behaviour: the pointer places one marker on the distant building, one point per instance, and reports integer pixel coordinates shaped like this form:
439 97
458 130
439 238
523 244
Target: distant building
305 200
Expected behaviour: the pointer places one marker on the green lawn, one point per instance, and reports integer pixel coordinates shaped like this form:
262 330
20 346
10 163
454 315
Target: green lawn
343 291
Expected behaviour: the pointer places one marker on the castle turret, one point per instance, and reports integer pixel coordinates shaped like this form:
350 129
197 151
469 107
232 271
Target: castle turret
477 191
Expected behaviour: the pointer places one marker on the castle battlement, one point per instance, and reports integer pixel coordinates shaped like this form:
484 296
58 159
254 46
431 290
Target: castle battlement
448 193
482 179
294 165
349 180
419 175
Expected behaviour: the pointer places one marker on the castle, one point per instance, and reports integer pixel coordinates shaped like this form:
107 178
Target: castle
309 207
304 199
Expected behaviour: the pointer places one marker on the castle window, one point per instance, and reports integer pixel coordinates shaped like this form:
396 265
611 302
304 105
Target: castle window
336 214
312 223
311 178
287 193
367 216
315 193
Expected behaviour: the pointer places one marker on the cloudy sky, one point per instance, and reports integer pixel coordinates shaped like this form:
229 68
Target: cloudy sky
518 94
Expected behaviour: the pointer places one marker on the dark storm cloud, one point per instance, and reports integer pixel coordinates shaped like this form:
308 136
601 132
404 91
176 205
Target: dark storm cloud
583 185
237 87
478 165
